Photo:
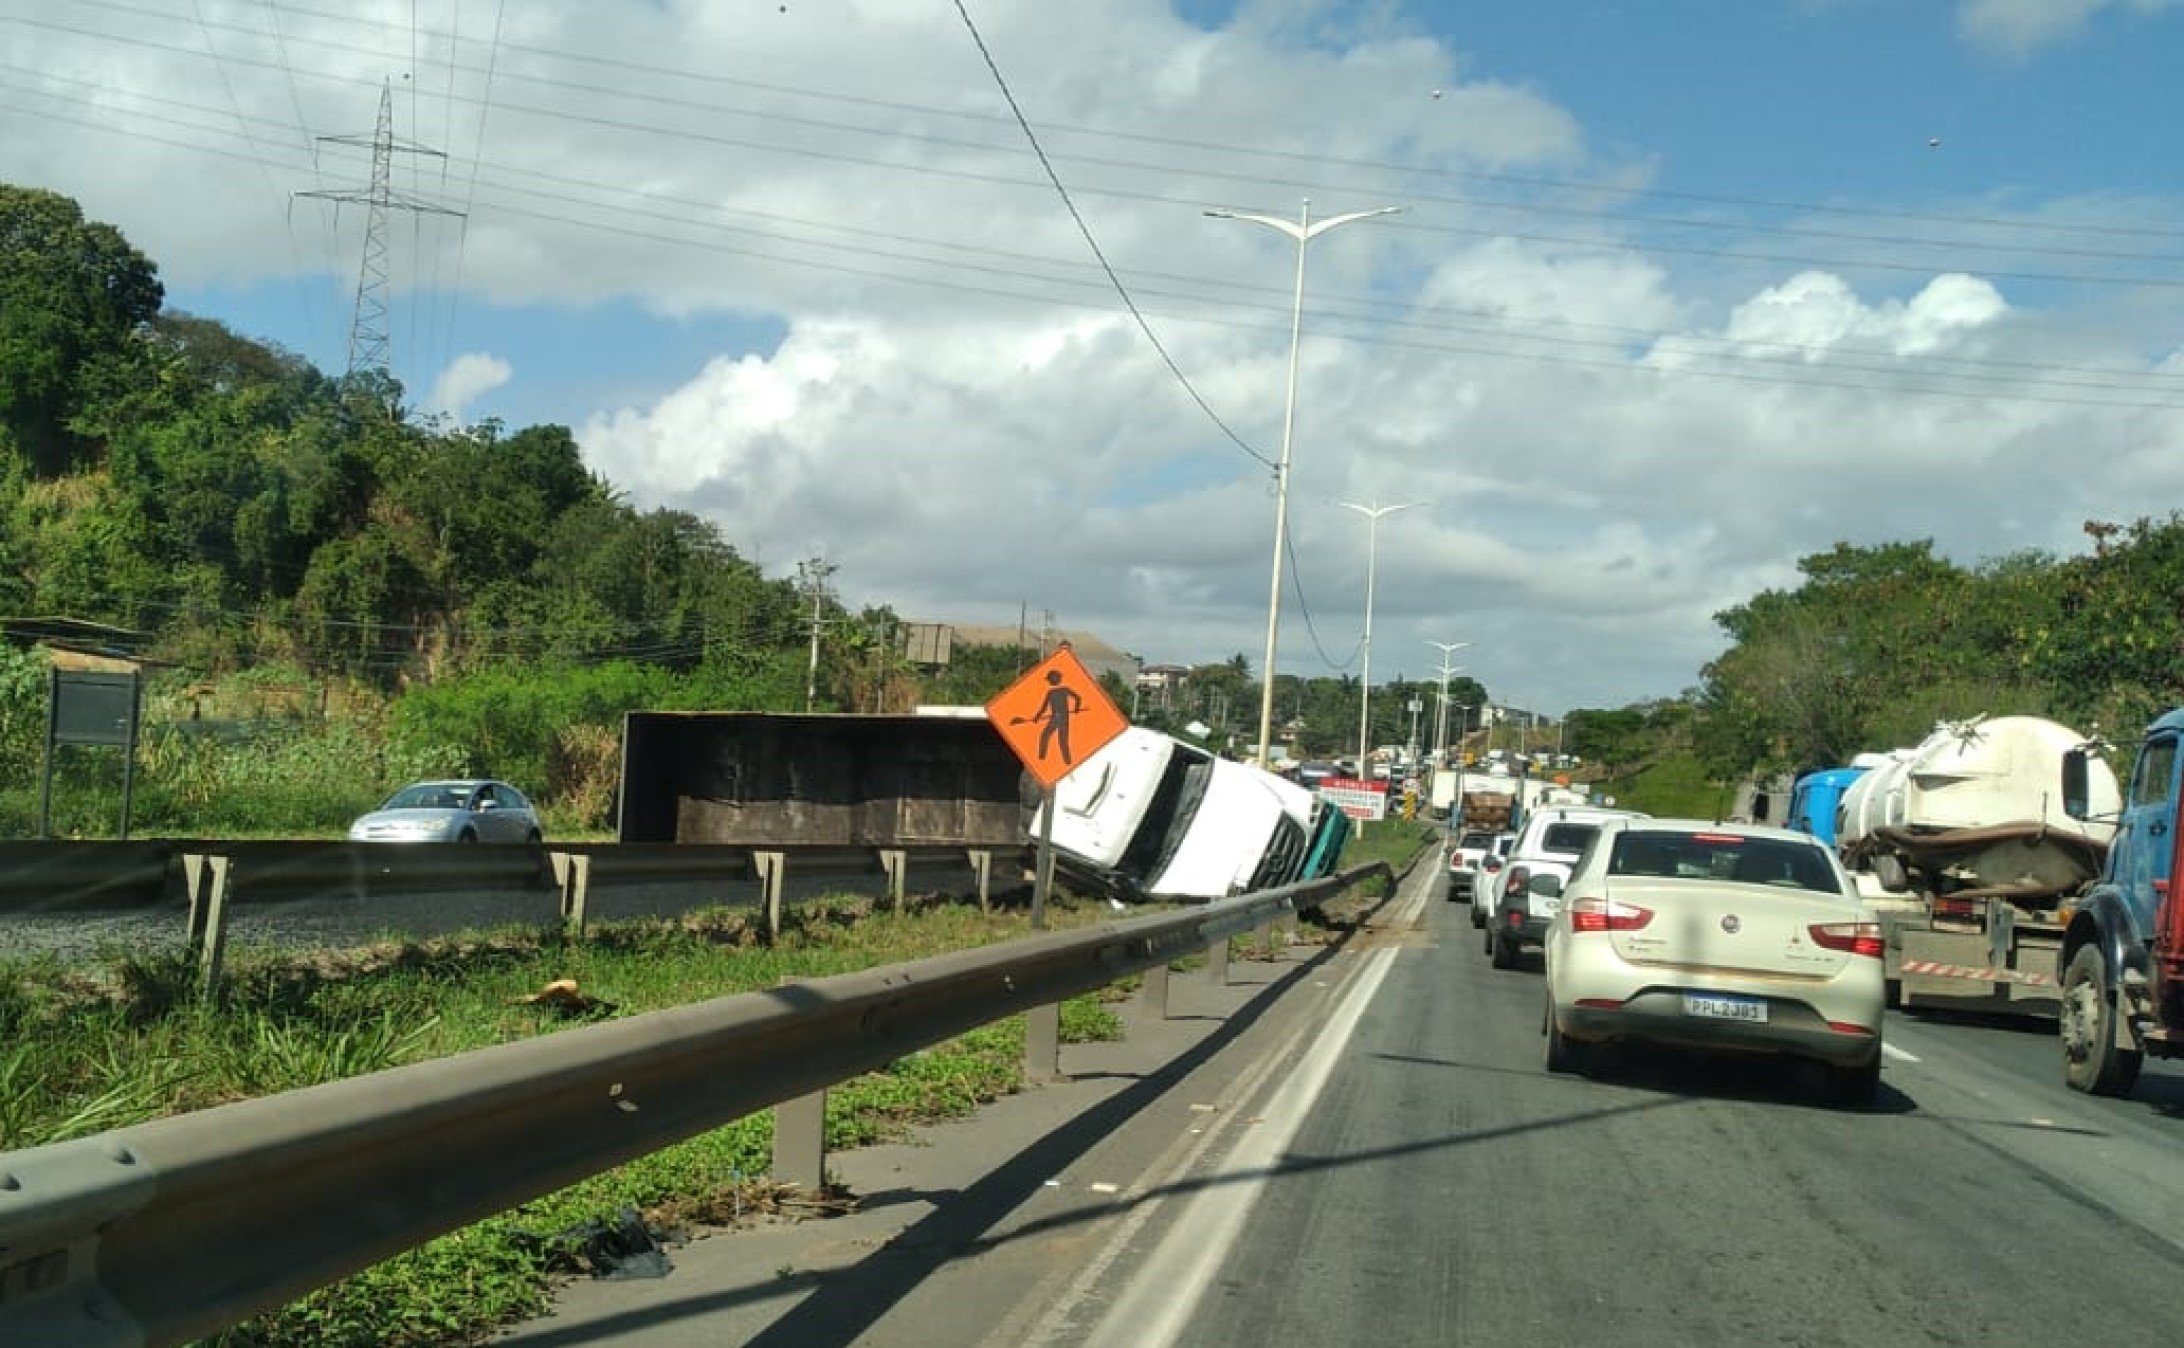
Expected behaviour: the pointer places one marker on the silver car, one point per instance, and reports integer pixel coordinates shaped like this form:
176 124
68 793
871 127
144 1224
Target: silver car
465 811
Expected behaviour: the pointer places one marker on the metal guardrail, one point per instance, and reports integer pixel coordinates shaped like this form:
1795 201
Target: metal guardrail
541 883
52 876
159 1233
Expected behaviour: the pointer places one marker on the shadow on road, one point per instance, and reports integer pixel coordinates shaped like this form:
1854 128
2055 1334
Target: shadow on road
858 1297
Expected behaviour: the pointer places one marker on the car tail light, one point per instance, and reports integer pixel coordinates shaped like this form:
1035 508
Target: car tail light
1514 886
1858 938
1599 1003
1591 914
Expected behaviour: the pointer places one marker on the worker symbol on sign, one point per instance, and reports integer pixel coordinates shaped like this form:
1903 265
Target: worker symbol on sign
1052 718
1055 716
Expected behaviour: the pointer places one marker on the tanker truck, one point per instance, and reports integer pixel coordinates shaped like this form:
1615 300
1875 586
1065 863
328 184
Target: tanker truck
1963 848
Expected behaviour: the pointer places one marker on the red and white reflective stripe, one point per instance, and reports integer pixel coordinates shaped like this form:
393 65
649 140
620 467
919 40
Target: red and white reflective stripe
1929 969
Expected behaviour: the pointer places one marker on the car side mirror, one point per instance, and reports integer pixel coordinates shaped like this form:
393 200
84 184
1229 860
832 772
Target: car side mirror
1547 886
2075 787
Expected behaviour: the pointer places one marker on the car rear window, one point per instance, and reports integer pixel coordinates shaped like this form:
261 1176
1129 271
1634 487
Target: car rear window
1477 840
1569 838
1726 856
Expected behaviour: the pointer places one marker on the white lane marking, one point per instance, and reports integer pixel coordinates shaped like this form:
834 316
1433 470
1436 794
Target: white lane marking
1898 1054
1156 1281
1161 1300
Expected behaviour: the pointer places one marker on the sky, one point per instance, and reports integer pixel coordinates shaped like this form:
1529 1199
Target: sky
1676 293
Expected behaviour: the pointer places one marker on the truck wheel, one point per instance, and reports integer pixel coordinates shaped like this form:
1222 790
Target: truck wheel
1504 949
2091 1061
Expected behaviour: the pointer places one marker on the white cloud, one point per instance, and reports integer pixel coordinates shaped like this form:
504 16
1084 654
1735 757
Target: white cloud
2021 26
467 378
1614 444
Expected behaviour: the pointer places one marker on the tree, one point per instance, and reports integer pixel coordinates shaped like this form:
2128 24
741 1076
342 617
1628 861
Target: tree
74 297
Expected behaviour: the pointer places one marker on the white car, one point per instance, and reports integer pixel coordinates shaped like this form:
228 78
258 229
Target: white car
1712 936
1549 843
1486 877
1470 847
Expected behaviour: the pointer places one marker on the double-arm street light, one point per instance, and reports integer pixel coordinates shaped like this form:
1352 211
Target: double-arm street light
1440 716
1303 230
1372 514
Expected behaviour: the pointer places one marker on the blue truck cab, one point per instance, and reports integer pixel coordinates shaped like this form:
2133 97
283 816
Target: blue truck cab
1814 799
2122 962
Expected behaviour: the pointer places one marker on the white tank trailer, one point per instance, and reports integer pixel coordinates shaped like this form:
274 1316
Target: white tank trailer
1961 846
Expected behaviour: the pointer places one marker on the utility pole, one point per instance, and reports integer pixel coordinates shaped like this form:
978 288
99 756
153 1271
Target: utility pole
368 332
813 576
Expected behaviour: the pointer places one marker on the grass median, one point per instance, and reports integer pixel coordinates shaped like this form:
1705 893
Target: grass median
87 1050
90 1050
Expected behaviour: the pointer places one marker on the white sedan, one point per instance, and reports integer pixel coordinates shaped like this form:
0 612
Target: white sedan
1714 936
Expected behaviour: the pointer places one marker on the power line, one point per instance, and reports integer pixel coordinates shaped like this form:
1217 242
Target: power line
2013 390
1490 322
897 134
1230 152
1094 244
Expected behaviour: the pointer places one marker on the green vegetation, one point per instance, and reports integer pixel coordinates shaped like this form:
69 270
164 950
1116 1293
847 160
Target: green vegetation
1395 841
1674 786
80 1053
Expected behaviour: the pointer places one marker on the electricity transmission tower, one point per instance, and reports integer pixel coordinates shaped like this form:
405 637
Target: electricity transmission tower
368 334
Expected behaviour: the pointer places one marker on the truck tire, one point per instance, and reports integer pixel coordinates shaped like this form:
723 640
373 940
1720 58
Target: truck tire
2091 1061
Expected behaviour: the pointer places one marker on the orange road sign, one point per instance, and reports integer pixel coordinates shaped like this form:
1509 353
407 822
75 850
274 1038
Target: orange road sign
1056 716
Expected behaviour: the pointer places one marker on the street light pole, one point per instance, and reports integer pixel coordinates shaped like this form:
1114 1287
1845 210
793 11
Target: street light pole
1440 715
1372 514
1303 231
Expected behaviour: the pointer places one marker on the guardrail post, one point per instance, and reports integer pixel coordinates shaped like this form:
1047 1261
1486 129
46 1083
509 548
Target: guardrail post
1262 938
1043 1043
772 867
897 865
982 872
1155 990
572 872
800 1142
1217 963
1289 928
207 879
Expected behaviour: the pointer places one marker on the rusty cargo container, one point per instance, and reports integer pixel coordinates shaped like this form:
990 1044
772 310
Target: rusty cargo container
750 778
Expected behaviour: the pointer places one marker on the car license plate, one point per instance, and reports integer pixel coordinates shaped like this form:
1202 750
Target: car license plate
1546 907
1719 1007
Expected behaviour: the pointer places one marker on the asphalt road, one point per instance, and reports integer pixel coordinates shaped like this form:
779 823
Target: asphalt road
1363 1147
1443 1189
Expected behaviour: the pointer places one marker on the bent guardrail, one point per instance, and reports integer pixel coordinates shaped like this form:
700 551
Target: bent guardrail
156 1234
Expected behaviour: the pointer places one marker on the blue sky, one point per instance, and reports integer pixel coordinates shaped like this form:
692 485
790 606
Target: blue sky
1679 291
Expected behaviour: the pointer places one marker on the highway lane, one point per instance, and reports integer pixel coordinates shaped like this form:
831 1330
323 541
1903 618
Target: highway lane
1443 1189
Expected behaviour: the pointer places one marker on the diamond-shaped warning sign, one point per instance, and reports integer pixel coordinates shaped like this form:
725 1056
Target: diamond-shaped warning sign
1056 716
